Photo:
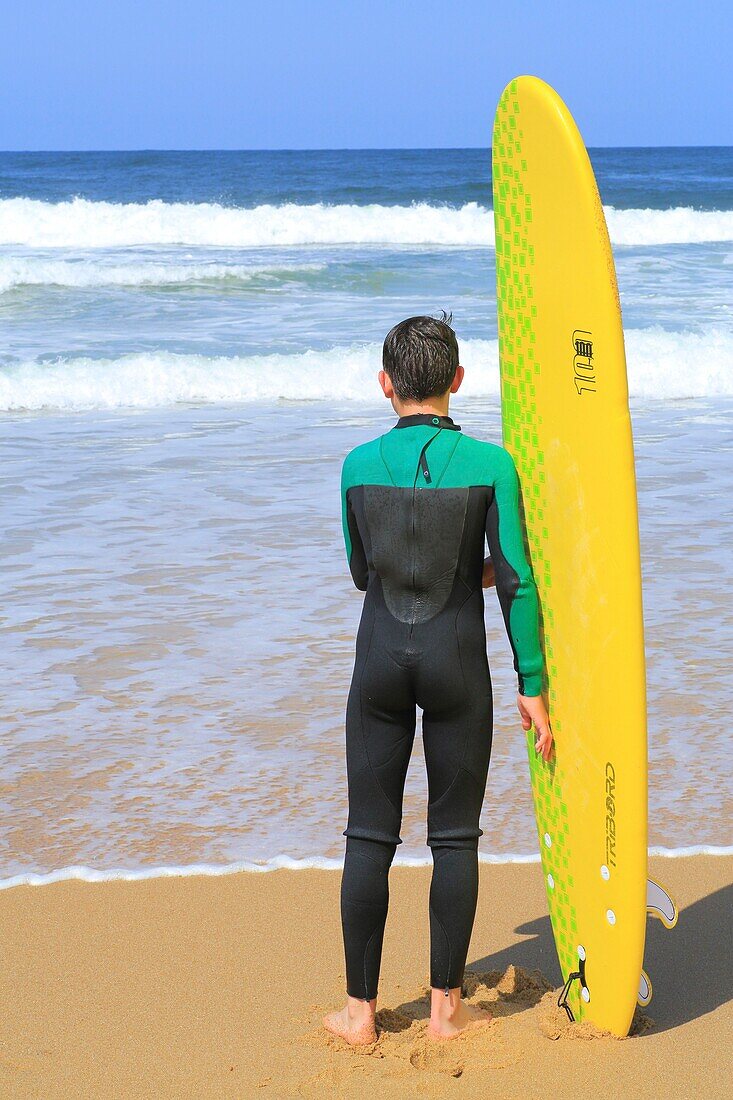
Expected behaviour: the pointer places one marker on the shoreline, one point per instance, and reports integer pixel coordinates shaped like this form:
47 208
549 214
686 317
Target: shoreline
306 863
214 985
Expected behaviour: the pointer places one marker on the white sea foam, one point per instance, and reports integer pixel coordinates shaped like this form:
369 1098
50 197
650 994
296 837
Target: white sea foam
661 364
82 224
678 225
18 271
278 863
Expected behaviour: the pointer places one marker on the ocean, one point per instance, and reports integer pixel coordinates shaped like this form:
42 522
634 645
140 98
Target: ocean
190 344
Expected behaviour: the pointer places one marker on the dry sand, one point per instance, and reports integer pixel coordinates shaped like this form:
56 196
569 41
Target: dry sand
215 987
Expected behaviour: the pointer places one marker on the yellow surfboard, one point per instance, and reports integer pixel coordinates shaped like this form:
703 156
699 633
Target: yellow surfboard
566 422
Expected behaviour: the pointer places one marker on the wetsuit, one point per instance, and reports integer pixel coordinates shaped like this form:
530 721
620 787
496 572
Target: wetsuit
418 504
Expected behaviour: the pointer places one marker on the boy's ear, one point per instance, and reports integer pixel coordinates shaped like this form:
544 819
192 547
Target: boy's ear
386 383
457 379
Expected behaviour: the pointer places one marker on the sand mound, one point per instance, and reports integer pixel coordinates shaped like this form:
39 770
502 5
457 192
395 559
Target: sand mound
554 1024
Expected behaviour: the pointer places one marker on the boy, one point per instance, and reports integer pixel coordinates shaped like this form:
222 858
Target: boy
418 504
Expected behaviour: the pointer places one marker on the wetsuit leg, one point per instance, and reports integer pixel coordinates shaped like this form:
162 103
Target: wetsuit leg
380 729
455 691
364 904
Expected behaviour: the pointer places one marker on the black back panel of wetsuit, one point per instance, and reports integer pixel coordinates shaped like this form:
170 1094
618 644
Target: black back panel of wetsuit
418 542
417 573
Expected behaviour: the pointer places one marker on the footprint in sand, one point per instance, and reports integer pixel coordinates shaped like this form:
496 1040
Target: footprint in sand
435 1058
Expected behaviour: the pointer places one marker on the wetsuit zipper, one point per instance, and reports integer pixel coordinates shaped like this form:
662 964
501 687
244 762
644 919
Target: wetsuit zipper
421 465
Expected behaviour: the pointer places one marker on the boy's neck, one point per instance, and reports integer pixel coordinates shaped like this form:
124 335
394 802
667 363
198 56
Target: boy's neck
435 407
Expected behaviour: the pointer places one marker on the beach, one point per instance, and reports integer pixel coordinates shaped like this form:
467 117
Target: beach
213 986
191 343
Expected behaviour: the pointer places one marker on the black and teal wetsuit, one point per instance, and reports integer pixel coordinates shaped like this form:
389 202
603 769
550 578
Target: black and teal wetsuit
418 504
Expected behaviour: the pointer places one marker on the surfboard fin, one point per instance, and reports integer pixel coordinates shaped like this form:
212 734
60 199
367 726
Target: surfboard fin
645 990
660 905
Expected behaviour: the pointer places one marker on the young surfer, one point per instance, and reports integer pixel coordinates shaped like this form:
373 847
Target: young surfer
418 505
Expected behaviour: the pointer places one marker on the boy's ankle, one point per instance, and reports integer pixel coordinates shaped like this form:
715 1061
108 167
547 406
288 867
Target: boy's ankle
445 1005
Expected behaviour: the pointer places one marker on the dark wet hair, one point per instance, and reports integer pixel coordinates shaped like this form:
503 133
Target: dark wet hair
420 355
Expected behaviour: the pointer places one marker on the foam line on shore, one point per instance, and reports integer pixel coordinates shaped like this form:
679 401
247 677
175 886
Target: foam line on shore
282 862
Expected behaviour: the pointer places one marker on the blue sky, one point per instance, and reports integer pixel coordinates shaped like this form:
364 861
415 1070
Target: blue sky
299 74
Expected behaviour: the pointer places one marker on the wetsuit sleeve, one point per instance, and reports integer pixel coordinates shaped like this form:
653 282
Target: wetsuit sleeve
355 554
515 584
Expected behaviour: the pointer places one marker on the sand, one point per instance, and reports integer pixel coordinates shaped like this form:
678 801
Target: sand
215 987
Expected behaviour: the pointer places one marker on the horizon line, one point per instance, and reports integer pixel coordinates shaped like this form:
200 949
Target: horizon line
335 149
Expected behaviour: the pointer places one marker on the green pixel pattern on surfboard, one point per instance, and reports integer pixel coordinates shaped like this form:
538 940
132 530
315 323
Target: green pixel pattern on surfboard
519 368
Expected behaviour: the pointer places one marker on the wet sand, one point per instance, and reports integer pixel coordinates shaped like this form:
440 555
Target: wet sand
157 699
215 986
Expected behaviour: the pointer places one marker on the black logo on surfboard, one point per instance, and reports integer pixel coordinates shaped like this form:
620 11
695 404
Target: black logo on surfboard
610 815
584 368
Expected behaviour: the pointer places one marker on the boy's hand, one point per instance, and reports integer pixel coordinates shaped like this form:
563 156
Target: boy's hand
489 577
532 710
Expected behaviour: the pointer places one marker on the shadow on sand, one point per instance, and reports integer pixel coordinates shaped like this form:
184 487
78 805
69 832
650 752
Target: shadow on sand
690 966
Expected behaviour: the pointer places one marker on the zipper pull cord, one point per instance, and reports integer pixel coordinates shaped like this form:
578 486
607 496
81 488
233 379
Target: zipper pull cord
422 463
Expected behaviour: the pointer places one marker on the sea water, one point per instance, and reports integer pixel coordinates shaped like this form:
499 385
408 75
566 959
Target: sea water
190 347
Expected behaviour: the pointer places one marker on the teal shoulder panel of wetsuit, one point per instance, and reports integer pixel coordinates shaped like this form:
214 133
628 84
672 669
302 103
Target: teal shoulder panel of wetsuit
400 458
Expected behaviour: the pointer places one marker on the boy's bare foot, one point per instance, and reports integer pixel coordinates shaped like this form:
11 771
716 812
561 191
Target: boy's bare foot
450 1017
355 1023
